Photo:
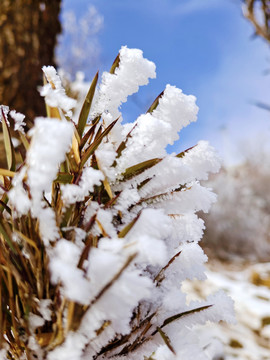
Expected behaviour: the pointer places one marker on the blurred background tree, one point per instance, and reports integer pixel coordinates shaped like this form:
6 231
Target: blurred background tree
29 30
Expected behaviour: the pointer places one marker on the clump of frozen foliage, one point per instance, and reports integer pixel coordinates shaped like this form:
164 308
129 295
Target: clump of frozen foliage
99 227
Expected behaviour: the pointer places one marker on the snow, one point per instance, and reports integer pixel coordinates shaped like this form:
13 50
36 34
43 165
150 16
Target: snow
54 93
251 307
5 110
46 152
133 71
154 131
63 267
72 193
19 121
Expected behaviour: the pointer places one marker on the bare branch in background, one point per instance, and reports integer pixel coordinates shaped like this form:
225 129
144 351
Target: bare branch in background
258 13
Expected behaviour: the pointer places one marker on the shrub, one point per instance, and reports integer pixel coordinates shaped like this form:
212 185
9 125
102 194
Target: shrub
98 226
237 227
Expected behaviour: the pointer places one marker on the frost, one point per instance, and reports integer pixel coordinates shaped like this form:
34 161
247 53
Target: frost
18 196
46 152
154 131
3 354
19 121
5 110
133 71
63 266
54 93
35 321
72 193
44 309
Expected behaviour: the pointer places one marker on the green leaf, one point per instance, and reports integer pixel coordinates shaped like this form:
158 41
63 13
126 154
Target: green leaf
123 144
90 133
183 153
10 152
86 106
128 227
64 178
139 168
91 149
155 103
67 216
115 64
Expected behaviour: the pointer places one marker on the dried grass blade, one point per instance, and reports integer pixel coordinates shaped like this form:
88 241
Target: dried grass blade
185 313
159 277
114 279
6 237
166 339
5 172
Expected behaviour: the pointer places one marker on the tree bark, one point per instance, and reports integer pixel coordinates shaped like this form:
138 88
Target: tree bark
29 30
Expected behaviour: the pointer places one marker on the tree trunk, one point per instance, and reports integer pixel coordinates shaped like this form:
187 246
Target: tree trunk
29 31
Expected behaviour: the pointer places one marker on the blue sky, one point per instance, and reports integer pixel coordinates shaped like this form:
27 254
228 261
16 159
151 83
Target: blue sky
204 47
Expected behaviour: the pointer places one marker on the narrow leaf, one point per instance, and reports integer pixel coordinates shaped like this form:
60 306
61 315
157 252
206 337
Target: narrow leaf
75 150
155 103
185 313
24 141
90 132
4 200
123 144
183 153
6 236
4 205
5 172
115 64
160 276
86 106
91 149
10 152
108 187
127 228
64 178
139 168
166 339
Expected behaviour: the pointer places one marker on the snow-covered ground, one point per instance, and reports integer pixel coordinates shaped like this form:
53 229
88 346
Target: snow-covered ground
249 286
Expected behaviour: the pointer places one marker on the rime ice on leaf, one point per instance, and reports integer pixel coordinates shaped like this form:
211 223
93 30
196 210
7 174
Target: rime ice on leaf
19 121
54 92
